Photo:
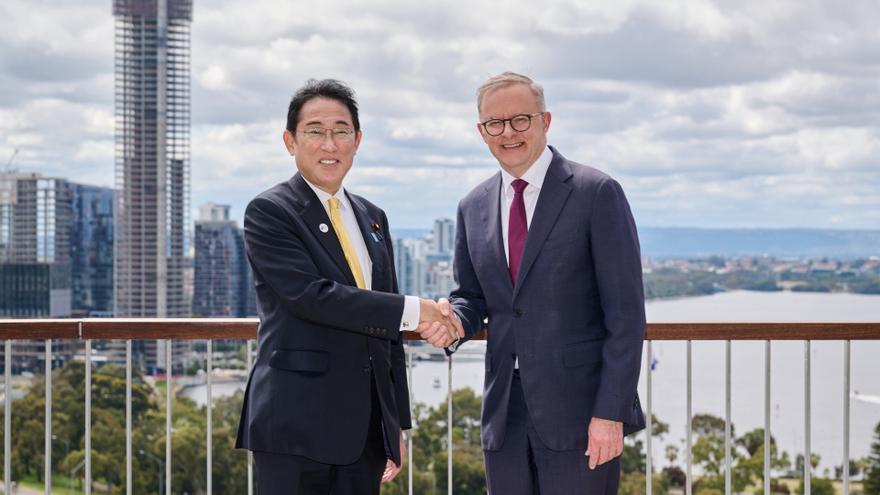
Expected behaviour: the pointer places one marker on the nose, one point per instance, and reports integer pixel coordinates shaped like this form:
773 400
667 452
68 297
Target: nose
509 131
328 144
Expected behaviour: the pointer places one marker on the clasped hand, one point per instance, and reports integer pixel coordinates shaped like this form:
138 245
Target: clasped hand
438 323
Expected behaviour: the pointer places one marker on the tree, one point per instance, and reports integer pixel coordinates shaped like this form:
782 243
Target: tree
799 462
429 449
671 453
819 486
709 453
872 470
707 424
634 484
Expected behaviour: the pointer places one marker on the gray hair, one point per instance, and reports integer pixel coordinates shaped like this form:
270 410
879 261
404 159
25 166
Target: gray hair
507 79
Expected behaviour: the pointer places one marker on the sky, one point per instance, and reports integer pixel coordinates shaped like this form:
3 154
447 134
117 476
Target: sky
715 114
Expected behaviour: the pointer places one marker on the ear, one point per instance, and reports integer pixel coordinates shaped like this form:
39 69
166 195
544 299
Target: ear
357 139
547 118
289 142
482 132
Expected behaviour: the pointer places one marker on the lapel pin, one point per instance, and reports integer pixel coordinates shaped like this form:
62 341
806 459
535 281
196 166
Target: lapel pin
375 233
323 228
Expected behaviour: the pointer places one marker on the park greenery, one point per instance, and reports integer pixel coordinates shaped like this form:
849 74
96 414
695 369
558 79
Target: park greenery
108 436
429 446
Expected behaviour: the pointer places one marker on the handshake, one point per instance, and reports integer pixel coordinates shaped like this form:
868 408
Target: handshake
438 323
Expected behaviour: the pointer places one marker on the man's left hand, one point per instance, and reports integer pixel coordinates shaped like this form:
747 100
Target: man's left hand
392 469
604 441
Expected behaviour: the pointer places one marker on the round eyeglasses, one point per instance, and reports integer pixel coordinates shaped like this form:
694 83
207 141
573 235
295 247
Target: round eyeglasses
320 134
519 123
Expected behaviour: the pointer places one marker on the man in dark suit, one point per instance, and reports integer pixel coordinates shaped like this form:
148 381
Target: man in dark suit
327 399
547 249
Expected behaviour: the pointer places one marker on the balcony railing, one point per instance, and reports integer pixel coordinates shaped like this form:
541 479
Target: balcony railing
89 330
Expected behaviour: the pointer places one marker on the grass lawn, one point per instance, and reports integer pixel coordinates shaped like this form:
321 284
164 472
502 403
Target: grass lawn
59 485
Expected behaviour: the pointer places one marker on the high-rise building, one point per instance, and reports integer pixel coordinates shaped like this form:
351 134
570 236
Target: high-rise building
152 61
223 281
443 240
152 155
91 250
35 214
409 263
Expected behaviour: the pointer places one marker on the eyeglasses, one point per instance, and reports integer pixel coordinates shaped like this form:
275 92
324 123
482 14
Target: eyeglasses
519 123
316 134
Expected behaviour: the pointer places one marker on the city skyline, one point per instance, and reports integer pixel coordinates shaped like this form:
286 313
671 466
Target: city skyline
710 116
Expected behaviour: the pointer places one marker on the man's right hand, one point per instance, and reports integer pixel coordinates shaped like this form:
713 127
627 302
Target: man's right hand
439 324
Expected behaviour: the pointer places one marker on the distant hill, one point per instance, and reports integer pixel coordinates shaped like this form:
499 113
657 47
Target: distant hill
683 242
688 242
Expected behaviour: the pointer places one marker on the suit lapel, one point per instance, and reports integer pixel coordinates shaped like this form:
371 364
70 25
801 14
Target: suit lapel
554 193
314 215
375 246
491 213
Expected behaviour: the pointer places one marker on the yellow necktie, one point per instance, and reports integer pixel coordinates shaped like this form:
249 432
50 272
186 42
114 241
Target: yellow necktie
345 241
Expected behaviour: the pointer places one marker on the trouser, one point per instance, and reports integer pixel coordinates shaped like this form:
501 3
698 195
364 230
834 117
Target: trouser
280 474
525 466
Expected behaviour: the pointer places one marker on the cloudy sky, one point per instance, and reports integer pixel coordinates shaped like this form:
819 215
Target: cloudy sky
711 114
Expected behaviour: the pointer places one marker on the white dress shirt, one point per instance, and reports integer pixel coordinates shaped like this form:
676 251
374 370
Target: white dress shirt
535 177
410 317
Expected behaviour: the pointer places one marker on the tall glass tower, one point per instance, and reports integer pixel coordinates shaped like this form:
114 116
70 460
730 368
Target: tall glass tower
152 155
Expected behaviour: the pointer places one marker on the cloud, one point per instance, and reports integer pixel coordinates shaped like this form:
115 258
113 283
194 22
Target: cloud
711 113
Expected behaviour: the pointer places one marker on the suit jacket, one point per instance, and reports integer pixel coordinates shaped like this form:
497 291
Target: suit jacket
576 316
321 339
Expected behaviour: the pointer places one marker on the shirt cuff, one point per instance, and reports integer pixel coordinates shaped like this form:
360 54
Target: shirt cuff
411 313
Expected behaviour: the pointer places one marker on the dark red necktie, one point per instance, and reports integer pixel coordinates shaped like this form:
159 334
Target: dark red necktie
517 228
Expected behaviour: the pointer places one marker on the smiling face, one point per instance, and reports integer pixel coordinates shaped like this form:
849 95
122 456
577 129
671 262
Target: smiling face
324 161
515 151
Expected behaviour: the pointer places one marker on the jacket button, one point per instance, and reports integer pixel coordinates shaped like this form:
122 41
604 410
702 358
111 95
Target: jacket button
517 312
366 369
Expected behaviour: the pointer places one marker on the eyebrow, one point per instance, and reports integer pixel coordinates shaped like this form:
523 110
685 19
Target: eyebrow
318 122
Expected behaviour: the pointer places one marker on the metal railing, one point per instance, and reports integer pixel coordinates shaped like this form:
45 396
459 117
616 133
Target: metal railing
88 330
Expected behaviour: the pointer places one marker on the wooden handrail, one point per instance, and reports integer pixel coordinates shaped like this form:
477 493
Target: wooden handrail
246 328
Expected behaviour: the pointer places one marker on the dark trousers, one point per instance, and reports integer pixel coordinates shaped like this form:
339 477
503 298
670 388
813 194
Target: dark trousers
525 466
279 474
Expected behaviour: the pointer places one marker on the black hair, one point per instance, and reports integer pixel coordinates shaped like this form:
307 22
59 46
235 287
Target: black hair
324 88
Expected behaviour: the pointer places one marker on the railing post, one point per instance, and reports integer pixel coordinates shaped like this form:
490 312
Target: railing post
728 488
649 459
208 445
250 455
409 438
767 396
449 430
7 419
808 453
88 466
688 434
168 387
128 454
47 452
846 387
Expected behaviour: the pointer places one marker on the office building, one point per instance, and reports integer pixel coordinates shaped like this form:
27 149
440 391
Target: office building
35 215
152 155
91 250
152 104
223 281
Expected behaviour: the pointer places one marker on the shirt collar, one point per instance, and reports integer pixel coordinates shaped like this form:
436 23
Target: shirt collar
323 196
534 175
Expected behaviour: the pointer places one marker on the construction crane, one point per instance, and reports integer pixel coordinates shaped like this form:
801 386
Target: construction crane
8 167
